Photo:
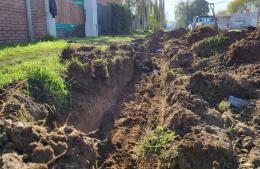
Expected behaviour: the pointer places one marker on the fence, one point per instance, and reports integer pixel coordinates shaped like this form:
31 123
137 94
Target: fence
13 20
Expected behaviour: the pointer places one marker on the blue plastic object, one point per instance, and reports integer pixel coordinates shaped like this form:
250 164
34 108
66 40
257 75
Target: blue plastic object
239 103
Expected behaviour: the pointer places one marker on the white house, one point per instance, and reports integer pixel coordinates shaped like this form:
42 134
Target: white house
238 20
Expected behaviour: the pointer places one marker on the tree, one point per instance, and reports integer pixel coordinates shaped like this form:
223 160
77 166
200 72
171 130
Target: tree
185 13
237 6
181 15
150 12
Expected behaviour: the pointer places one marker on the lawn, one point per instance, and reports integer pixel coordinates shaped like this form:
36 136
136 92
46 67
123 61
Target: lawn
105 40
17 60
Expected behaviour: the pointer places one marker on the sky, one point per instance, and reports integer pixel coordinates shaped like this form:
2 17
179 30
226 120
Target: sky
170 6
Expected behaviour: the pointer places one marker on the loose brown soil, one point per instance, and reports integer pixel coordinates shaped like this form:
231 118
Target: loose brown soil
117 95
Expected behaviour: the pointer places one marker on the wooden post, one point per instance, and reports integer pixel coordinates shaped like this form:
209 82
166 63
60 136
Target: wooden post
29 19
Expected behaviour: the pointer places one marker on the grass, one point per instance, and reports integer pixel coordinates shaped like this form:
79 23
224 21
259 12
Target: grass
224 105
155 142
39 64
46 86
105 40
211 45
16 59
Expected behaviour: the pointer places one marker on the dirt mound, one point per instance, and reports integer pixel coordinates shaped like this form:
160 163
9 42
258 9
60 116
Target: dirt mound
181 121
244 52
188 101
199 34
235 36
15 161
182 59
36 145
206 148
17 106
215 88
175 34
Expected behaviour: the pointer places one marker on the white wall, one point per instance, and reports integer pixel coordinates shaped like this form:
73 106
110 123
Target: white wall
51 23
243 20
91 25
237 21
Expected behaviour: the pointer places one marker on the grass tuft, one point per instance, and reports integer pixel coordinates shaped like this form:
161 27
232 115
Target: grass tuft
211 45
155 143
224 105
46 86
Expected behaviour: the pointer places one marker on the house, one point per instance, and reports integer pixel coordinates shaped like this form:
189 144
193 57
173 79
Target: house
238 20
30 20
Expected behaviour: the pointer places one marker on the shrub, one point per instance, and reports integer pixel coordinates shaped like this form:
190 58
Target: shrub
115 19
155 143
46 86
211 45
224 105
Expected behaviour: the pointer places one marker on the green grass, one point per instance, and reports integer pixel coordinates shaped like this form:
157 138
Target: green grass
224 105
46 86
105 40
211 45
155 143
17 60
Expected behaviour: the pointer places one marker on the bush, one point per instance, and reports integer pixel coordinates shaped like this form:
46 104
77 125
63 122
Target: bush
115 19
210 46
155 143
46 86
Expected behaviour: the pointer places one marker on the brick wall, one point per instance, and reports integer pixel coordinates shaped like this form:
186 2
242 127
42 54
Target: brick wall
13 24
13 21
39 18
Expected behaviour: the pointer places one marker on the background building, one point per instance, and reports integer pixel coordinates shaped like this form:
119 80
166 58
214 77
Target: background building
30 20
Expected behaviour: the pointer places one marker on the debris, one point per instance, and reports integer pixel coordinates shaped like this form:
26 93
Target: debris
239 103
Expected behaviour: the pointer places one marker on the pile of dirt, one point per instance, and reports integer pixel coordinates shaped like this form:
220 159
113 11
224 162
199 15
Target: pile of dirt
199 33
216 87
245 51
209 137
204 148
36 146
16 105
182 59
175 34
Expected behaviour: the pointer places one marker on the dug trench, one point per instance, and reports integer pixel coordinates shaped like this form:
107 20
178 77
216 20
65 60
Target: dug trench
160 102
121 104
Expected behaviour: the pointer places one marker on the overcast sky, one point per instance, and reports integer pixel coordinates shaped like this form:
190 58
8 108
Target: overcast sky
170 6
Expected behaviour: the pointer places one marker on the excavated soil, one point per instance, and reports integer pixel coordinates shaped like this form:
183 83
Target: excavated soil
118 94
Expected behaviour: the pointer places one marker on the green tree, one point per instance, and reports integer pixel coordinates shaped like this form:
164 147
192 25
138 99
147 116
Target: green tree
181 15
237 6
185 13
